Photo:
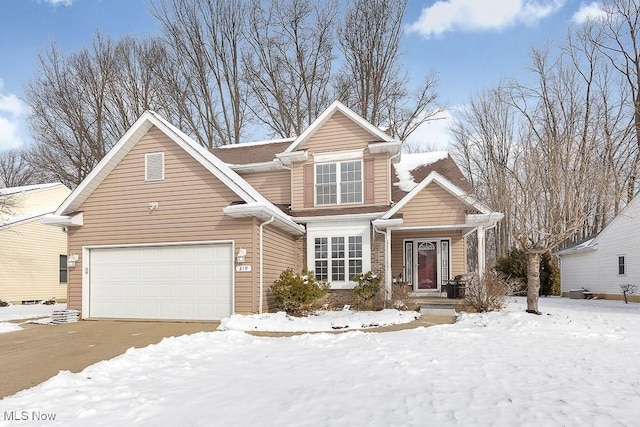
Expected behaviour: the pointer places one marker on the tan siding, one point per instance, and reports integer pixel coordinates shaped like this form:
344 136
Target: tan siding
433 206
458 249
190 201
30 262
339 133
279 254
39 200
274 185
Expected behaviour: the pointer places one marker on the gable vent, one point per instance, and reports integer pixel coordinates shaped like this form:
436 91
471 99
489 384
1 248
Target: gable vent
154 167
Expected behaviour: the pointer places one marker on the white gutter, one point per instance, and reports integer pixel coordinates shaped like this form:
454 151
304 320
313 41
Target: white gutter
269 221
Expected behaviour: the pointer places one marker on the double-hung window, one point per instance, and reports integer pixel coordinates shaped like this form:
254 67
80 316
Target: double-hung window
338 258
339 183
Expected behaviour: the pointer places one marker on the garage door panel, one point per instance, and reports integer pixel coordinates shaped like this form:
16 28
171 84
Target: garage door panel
169 282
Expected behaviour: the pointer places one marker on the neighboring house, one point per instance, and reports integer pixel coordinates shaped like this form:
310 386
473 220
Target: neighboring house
33 256
164 229
612 258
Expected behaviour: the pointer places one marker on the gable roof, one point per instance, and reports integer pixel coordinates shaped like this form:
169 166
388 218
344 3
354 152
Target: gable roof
251 152
25 188
591 244
377 133
22 214
209 161
414 168
437 178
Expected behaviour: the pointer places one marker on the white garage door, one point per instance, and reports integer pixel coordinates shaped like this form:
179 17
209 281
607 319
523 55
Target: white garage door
192 282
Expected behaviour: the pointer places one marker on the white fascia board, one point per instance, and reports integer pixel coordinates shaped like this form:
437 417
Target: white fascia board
292 156
264 213
486 220
387 223
338 218
273 165
391 147
322 118
64 220
335 156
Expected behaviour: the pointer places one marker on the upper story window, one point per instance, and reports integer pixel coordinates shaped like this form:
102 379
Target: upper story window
339 182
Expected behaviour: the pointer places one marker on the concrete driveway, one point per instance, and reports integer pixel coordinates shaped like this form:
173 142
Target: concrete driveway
39 352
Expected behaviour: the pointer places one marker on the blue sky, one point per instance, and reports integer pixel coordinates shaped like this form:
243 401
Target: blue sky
471 44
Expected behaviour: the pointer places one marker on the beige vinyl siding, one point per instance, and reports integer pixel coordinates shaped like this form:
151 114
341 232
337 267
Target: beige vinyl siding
433 206
38 200
30 262
339 133
190 209
274 185
280 253
458 249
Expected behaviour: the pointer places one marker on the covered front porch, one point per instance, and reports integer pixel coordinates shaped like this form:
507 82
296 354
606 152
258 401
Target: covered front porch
426 258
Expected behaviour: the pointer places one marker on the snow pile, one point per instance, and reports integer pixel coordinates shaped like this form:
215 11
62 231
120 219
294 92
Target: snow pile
575 365
21 312
321 321
409 162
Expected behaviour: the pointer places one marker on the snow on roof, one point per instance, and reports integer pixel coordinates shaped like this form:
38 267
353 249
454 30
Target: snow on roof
253 143
409 162
22 189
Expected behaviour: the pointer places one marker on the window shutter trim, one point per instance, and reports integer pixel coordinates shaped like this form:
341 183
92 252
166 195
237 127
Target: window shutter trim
308 185
369 195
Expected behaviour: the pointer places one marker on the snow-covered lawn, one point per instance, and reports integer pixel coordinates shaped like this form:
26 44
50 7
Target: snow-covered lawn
322 321
21 312
576 365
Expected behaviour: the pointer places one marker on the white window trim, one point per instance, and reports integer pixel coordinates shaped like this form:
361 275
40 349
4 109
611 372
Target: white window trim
618 265
342 229
338 182
338 156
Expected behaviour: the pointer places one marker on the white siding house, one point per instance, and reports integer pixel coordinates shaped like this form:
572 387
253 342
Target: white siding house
612 258
33 256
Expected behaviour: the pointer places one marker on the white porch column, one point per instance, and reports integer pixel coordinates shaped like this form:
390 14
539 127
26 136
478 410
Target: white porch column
388 278
481 251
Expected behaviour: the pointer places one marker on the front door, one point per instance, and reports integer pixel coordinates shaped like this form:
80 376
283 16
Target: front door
427 268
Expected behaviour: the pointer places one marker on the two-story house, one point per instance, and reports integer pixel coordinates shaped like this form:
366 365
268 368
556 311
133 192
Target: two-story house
164 229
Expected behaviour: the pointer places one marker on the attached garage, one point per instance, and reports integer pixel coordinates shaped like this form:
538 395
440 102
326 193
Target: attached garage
172 282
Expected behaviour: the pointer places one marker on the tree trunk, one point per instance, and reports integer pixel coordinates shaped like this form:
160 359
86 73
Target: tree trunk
533 282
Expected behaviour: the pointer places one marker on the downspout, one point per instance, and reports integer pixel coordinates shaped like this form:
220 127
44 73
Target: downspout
269 221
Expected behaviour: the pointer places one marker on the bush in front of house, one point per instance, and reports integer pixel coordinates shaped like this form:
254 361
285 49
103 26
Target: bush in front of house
298 293
366 292
488 293
514 266
50 301
4 303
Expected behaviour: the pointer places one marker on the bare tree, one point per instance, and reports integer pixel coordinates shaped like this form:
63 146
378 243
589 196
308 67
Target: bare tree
371 82
617 35
205 76
288 64
15 171
84 102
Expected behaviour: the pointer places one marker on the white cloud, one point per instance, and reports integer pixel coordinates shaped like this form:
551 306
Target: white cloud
60 2
13 112
486 15
591 11
433 135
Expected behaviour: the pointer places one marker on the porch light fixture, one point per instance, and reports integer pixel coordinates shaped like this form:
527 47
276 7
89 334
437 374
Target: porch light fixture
152 206
242 253
71 260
